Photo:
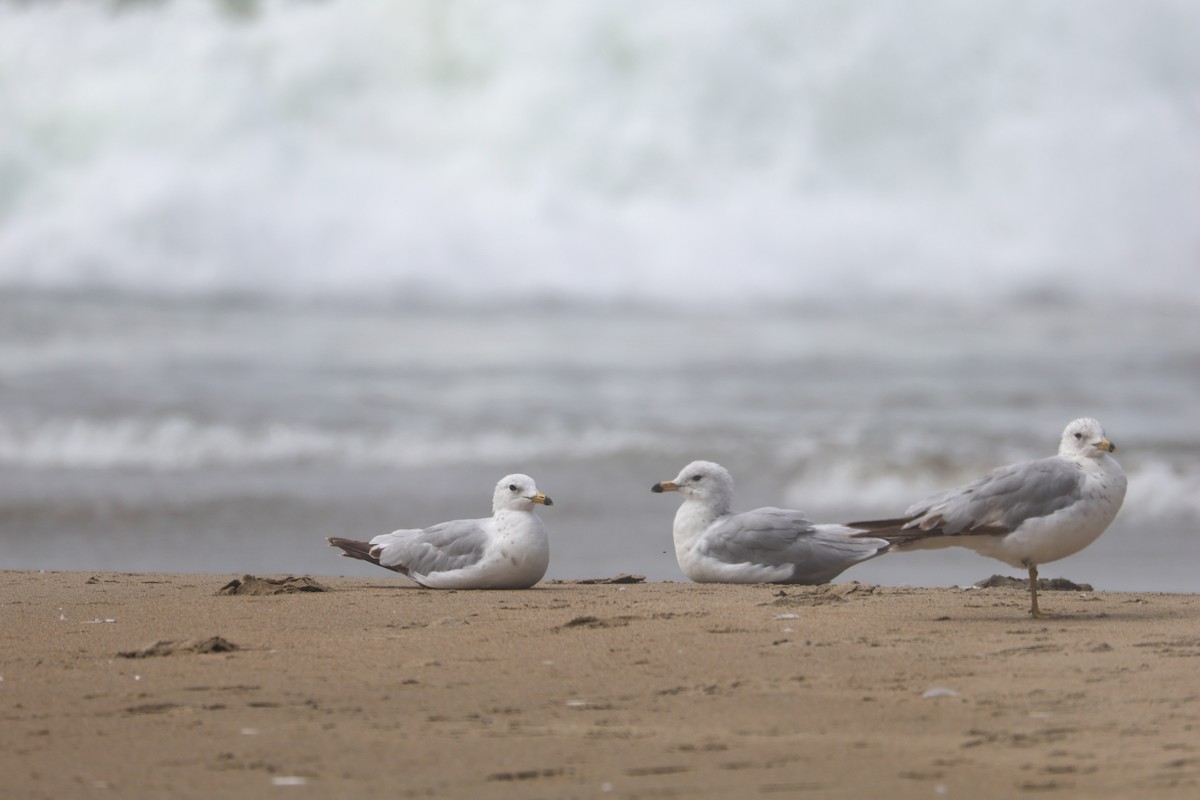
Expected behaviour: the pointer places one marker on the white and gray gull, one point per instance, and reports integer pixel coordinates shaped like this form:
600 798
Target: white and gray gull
1024 514
508 550
767 545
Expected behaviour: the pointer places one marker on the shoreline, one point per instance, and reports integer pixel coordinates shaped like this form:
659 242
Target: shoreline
380 688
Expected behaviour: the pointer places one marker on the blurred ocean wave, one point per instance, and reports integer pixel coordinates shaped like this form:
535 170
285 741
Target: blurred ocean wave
875 480
203 435
684 153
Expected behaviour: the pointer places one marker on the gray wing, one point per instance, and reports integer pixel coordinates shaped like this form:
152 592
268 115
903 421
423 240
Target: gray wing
778 537
441 548
1003 499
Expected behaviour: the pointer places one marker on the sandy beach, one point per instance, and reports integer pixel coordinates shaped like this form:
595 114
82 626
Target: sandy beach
140 685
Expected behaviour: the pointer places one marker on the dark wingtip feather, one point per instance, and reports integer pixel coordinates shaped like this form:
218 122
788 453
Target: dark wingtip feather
352 548
879 524
893 531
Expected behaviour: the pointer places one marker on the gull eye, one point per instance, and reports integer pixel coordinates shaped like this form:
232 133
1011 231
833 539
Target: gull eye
1079 436
696 478
512 487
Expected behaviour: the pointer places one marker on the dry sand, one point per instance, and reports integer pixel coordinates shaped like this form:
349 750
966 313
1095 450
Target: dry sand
380 689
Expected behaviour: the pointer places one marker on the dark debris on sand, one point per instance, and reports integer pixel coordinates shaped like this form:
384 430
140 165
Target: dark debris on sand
253 585
624 577
167 647
1043 584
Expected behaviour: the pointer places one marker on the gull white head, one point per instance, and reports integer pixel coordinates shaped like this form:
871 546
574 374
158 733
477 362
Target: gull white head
703 481
1085 438
517 493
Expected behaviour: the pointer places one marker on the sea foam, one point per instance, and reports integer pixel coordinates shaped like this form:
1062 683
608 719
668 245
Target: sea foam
602 152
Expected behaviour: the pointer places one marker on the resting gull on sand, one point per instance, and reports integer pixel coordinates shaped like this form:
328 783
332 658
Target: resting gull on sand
766 545
509 550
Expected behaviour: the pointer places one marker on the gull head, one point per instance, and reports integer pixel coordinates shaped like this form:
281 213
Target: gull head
703 481
517 492
1085 437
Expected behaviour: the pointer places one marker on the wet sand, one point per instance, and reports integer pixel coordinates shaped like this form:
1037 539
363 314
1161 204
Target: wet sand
155 685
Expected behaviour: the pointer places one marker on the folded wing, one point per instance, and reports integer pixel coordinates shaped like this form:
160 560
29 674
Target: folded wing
999 502
777 537
445 547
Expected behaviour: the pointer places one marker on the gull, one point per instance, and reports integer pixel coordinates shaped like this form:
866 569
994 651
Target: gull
1024 514
508 550
766 545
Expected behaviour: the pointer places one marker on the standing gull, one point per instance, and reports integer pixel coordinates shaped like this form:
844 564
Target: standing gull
508 550
766 545
1025 514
